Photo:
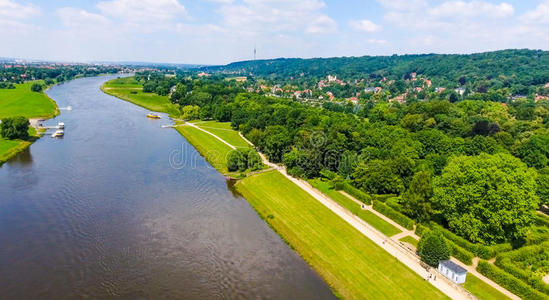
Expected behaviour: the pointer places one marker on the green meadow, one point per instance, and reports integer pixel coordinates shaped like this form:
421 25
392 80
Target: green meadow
21 101
129 89
354 266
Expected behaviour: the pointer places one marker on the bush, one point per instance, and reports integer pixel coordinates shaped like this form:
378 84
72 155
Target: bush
482 251
508 281
433 248
461 254
383 198
243 159
394 203
37 87
15 128
328 174
533 256
360 195
338 186
421 229
401 219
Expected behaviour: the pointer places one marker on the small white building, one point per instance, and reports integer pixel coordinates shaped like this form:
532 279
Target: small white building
452 271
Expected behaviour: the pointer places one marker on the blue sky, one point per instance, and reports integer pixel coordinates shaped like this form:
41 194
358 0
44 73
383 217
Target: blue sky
222 31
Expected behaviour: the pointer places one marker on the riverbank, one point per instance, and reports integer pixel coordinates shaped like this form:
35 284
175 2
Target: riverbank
21 101
128 89
353 265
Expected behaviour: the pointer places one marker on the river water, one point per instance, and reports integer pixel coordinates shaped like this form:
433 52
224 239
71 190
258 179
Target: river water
102 213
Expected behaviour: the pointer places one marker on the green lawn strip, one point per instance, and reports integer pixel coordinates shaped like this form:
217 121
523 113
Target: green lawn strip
410 240
367 216
213 150
129 90
8 148
227 134
481 289
21 101
352 264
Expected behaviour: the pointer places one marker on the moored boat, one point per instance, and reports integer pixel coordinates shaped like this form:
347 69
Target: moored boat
153 116
58 133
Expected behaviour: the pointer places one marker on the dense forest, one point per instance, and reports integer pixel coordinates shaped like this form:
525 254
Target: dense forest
441 159
522 71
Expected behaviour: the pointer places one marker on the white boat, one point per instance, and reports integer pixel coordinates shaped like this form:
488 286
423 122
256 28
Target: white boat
58 133
61 125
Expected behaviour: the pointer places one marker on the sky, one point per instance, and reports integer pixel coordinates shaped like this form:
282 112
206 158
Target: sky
223 31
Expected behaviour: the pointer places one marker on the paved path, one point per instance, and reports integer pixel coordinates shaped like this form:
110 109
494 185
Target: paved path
215 136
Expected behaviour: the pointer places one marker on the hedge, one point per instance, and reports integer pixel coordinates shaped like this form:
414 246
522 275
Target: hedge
394 203
482 251
505 262
461 254
509 282
360 195
338 186
421 229
384 197
394 215
328 174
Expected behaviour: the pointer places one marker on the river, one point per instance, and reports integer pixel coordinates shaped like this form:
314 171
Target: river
103 213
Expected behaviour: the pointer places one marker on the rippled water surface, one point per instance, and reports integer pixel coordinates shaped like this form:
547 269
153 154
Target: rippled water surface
101 213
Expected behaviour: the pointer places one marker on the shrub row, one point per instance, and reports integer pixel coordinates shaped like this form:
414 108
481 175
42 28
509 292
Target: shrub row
394 203
482 251
421 229
461 254
360 195
328 174
509 282
505 262
401 219
384 197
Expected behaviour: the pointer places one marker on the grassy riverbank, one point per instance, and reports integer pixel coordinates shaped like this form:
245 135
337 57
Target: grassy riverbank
352 264
130 90
21 101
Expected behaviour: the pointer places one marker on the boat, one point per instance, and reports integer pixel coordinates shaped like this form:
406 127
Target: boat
61 125
58 133
153 116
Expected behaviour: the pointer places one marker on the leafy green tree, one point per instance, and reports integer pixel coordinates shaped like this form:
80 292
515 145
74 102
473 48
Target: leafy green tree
15 128
535 152
37 87
416 201
377 177
237 160
190 112
487 198
543 186
432 248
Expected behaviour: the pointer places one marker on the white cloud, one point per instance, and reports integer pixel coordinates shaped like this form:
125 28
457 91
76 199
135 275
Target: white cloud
73 18
142 11
377 42
254 17
462 9
364 25
403 4
12 10
538 15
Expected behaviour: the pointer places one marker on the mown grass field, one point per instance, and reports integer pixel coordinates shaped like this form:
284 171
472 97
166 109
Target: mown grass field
213 150
21 101
410 240
353 265
224 131
481 289
129 89
367 216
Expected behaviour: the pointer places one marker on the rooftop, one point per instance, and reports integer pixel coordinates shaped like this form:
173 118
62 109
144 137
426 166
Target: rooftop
453 266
